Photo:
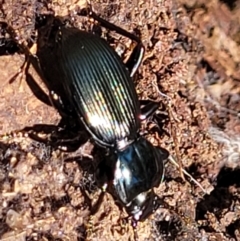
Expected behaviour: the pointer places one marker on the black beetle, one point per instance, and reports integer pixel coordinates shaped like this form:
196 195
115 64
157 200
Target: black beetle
87 78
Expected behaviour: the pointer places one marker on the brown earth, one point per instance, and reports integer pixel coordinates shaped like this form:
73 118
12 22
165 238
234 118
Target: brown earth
191 65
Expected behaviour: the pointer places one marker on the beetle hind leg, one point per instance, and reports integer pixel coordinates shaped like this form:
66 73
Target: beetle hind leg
137 54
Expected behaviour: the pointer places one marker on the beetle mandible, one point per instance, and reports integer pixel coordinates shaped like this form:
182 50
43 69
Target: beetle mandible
87 78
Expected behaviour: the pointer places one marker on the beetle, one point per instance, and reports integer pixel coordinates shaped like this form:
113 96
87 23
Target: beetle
87 79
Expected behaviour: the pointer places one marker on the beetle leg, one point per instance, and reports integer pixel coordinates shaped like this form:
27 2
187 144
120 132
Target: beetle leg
109 25
33 85
148 107
37 90
69 139
134 224
8 46
135 59
69 145
51 99
136 56
64 139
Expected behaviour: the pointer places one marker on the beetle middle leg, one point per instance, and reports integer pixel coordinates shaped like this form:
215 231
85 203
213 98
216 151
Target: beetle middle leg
148 108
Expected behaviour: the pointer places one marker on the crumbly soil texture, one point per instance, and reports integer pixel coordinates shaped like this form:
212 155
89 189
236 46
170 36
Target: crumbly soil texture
191 67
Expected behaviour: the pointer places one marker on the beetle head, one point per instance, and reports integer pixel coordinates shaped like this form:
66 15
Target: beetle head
131 175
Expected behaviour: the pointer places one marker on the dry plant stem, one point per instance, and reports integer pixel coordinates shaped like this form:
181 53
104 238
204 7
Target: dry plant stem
171 159
172 129
175 139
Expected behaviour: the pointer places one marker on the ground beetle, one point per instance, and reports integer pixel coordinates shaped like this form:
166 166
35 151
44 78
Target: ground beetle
87 78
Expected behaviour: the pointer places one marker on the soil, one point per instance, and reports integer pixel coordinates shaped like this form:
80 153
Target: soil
191 66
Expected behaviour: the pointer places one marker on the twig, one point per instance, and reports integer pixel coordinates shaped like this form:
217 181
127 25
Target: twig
171 159
172 129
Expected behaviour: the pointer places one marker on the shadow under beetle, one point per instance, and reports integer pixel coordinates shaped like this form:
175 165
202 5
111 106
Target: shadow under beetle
87 79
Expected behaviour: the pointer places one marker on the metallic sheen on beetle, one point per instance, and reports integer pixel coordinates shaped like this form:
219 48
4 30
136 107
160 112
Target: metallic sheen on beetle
86 78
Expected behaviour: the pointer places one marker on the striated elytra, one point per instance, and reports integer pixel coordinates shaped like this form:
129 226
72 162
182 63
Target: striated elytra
87 78
98 86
